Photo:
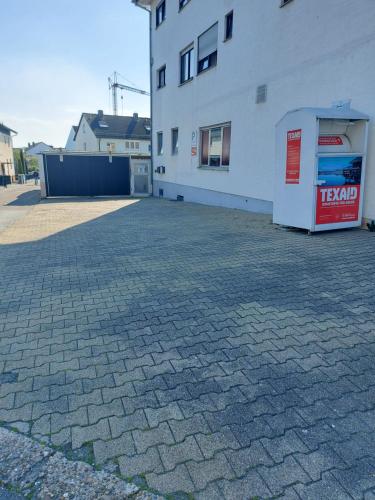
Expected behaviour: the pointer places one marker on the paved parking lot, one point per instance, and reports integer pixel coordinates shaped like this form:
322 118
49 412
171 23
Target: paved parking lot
199 349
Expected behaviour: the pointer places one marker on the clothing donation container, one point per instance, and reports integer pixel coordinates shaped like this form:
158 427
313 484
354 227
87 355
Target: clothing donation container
320 168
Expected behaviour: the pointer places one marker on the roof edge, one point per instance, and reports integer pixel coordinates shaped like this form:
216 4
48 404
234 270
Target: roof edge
143 4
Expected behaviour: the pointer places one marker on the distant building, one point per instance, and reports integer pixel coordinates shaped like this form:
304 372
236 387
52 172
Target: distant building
224 72
36 148
6 153
118 134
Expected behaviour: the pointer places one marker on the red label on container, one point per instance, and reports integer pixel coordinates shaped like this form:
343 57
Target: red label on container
337 204
293 156
330 140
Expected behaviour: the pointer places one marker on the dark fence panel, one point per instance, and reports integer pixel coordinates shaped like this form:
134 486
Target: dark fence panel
87 175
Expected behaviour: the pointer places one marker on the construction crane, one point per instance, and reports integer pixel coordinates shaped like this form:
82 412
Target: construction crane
113 85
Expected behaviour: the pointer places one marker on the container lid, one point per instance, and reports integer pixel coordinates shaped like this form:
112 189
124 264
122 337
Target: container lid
333 113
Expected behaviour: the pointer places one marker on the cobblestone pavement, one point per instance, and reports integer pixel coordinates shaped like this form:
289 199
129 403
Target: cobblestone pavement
199 348
16 201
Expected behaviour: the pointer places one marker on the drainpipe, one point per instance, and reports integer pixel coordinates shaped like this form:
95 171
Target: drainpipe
151 104
151 91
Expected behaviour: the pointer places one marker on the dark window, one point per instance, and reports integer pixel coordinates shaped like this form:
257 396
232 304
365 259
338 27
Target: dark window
182 3
186 65
160 13
207 49
160 143
174 141
161 77
284 2
229 26
215 146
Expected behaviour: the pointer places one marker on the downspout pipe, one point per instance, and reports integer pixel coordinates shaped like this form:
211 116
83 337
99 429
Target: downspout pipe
151 89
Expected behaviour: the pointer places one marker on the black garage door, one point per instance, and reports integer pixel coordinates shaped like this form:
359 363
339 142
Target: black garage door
86 175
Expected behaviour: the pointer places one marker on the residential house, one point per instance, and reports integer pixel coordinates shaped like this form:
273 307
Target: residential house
7 169
224 72
70 143
36 148
118 134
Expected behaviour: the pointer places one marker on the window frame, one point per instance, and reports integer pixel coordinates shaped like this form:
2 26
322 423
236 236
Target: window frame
174 145
209 166
211 58
227 37
161 70
160 145
284 2
182 4
163 8
189 50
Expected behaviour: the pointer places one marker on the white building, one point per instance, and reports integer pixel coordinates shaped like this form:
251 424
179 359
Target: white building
70 143
7 168
118 134
224 72
36 148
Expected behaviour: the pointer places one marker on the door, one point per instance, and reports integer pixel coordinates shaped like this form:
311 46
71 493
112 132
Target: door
141 178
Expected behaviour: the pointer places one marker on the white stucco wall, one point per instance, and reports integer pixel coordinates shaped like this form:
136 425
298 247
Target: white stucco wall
70 143
309 53
85 139
93 144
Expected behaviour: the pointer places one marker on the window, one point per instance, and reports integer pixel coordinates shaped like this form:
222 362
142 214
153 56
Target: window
160 13
215 146
261 95
207 49
160 143
136 145
229 26
161 77
127 144
174 141
132 145
183 3
186 65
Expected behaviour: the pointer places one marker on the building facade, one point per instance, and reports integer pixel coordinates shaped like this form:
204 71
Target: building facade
7 168
118 134
224 72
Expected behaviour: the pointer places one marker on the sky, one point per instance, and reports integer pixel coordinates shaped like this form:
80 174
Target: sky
57 57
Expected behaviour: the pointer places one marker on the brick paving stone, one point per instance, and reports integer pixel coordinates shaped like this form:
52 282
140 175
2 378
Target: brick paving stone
105 450
81 435
251 486
136 420
210 470
175 454
141 464
171 482
151 437
236 356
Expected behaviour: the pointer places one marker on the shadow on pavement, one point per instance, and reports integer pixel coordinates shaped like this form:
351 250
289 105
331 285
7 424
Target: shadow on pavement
26 199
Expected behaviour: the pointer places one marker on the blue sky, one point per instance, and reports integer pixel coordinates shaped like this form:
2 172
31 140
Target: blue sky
55 59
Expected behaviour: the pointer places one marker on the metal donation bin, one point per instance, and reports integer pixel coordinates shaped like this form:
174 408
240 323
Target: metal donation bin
320 168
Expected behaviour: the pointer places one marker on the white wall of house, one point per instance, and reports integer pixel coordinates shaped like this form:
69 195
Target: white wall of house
70 143
308 53
87 141
6 155
126 146
37 149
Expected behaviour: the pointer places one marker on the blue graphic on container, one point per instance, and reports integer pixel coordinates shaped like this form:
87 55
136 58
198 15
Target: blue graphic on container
340 170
